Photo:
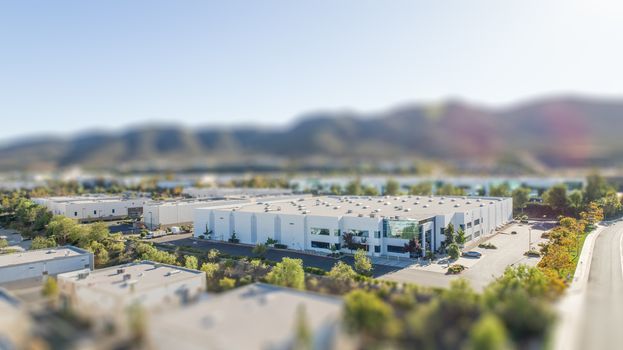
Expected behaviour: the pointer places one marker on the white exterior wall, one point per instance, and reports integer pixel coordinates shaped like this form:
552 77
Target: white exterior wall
292 231
39 269
243 224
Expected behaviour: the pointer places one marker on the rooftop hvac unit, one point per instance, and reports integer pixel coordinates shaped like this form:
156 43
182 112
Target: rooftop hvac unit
372 215
349 211
407 209
440 202
416 203
360 215
468 202
456 205
482 205
120 271
83 275
127 277
425 205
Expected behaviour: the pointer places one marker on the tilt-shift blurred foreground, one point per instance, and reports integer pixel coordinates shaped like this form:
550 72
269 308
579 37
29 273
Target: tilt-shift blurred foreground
311 175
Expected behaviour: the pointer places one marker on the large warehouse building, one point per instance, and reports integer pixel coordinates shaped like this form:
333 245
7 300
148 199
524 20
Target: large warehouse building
90 208
180 212
380 225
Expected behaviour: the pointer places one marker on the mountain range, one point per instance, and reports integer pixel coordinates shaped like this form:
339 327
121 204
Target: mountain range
548 133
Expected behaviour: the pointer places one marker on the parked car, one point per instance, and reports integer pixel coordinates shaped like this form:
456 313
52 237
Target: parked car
472 254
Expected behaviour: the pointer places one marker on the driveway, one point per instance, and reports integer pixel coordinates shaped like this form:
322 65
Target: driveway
15 239
318 261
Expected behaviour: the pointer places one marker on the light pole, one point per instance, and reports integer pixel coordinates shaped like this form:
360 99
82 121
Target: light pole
529 239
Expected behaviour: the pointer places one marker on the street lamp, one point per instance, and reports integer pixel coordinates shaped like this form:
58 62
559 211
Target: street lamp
529 239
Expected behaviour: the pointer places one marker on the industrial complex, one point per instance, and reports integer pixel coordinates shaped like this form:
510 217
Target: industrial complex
379 225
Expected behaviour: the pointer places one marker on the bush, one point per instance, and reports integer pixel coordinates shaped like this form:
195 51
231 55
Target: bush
281 246
533 253
4 243
315 270
288 273
233 240
367 313
202 237
259 250
226 283
191 262
487 245
455 269
342 272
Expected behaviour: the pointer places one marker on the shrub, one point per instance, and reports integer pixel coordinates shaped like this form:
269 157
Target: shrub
367 313
314 270
259 250
213 254
191 262
288 273
532 253
226 283
487 245
281 246
4 243
342 272
455 269
210 269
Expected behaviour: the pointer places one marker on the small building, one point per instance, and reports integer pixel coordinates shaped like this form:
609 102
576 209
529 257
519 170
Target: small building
380 225
257 316
110 291
33 264
94 207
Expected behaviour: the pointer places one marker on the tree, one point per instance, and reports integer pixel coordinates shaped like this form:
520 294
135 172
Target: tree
596 188
501 190
100 253
354 188
611 205
43 243
210 269
450 190
556 197
488 334
342 273
60 227
259 250
460 237
3 243
521 196
191 262
363 265
454 251
213 254
288 273
349 241
576 200
50 288
335 189
413 247
422 189
370 191
449 233
593 214
392 188
366 313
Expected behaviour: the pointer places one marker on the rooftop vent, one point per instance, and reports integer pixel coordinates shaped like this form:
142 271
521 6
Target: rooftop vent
468 202
360 215
350 211
425 205
440 202
127 277
482 205
457 205
407 209
120 271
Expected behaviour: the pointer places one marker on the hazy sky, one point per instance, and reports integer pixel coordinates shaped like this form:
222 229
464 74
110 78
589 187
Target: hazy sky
71 65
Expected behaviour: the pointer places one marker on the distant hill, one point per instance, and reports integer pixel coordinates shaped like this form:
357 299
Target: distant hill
554 132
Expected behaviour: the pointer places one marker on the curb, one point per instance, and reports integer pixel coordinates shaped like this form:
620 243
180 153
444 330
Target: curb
572 303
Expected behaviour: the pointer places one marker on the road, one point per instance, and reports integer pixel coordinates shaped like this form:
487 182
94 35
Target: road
603 309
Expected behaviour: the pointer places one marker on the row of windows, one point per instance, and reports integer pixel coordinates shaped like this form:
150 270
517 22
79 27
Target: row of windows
94 212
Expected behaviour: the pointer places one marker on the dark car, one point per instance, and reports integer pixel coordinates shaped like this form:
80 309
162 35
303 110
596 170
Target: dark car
472 254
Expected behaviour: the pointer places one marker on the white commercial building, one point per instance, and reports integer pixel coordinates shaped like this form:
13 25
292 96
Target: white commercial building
379 225
149 284
89 208
43 262
180 212
257 316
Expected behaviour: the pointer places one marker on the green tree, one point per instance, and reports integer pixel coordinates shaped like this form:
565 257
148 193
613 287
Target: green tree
460 237
576 200
450 190
449 233
363 265
100 253
210 269
521 197
3 243
335 189
60 228
454 251
366 313
501 190
43 243
392 188
354 188
370 191
288 273
611 205
50 288
596 188
191 262
342 273
556 197
422 189
488 334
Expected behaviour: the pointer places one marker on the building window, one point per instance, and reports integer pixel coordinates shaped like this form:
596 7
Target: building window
320 231
337 232
94 212
469 225
359 233
476 222
395 249
75 213
321 245
442 230
377 248
377 234
462 227
113 211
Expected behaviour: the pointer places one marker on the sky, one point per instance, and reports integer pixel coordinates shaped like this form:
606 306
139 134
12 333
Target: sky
67 66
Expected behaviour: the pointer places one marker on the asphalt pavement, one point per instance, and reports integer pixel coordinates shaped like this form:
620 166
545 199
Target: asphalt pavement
603 308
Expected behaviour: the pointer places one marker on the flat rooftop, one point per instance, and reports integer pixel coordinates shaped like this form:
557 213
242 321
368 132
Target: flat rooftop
404 207
142 276
92 199
31 256
257 316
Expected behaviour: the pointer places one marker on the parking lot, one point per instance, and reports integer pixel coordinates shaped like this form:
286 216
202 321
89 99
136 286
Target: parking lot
480 272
